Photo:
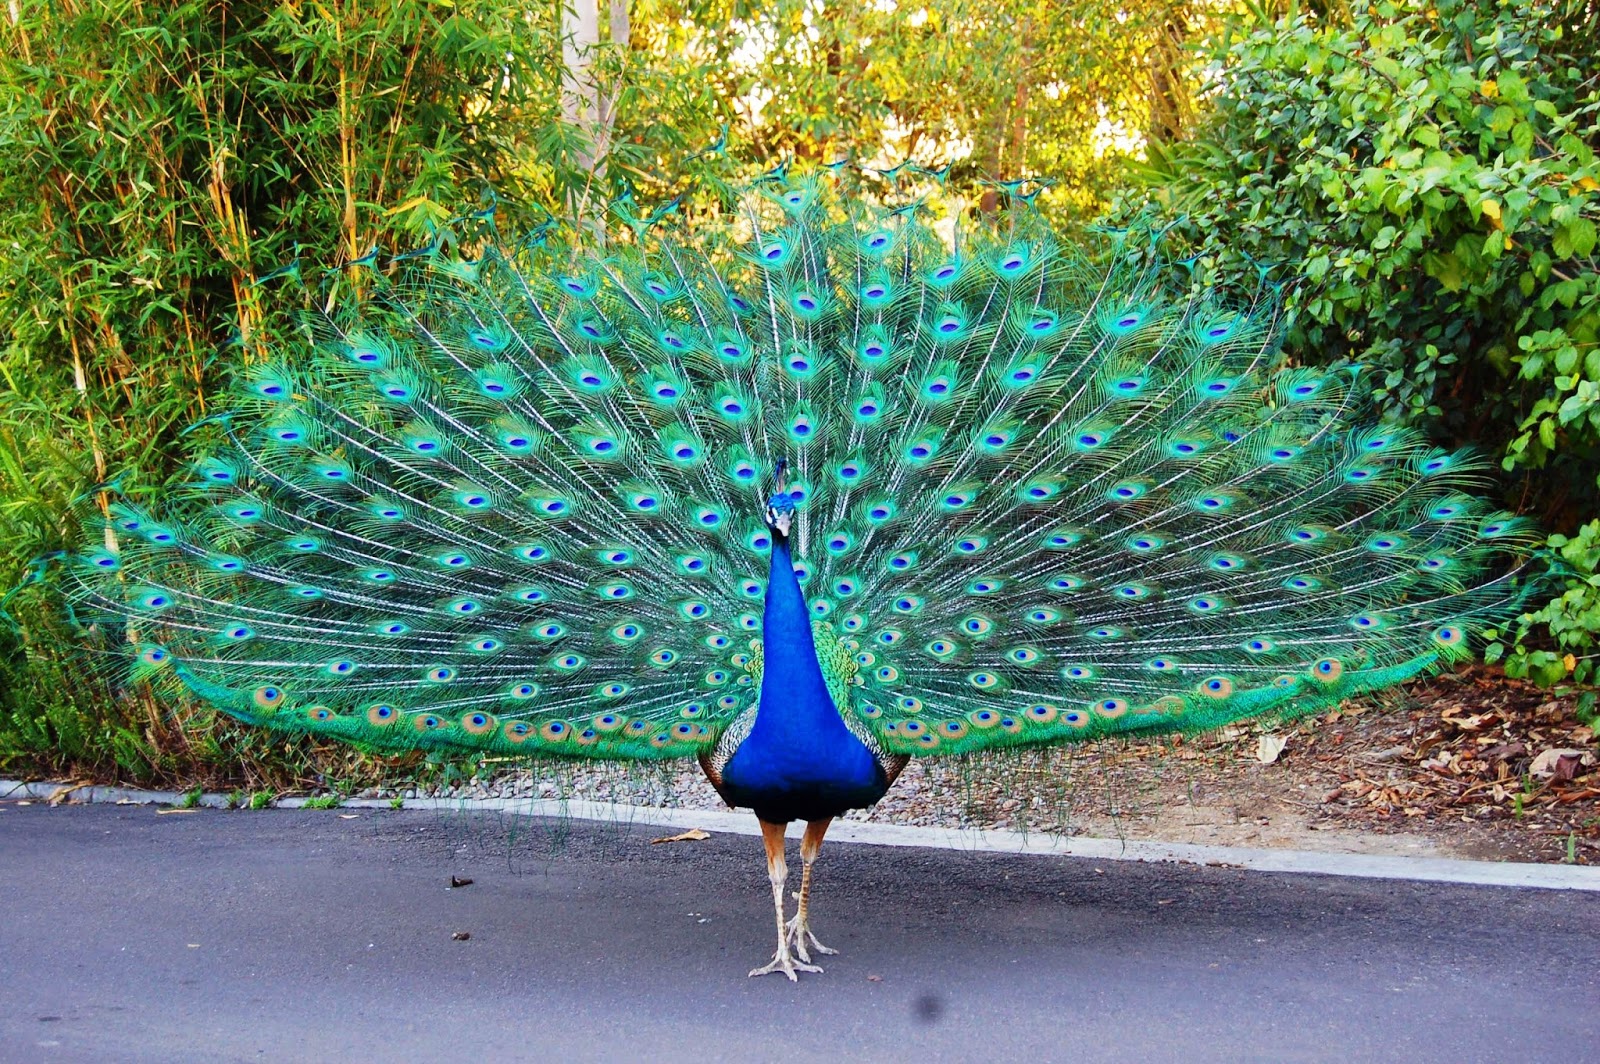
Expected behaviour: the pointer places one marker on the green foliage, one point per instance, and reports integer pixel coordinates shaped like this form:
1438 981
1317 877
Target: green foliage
1588 708
326 801
160 157
994 88
1423 183
260 799
1572 619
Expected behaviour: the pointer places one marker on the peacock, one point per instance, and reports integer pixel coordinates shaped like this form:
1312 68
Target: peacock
834 485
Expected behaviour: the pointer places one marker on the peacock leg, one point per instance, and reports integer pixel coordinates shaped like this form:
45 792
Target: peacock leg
777 872
800 927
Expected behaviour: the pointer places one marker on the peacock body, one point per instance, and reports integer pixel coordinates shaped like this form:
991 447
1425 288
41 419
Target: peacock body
800 505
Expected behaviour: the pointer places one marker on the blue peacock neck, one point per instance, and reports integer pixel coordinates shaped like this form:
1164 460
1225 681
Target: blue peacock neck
795 703
799 760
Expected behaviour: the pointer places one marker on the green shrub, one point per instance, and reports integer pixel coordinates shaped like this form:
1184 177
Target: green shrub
1423 183
159 158
1572 619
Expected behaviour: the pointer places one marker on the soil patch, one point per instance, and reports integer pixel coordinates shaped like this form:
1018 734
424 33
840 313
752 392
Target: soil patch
1465 765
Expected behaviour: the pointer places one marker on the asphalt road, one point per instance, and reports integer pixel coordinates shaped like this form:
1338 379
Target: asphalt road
209 936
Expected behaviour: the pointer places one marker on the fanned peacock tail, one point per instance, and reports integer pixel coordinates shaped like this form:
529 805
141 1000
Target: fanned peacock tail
514 505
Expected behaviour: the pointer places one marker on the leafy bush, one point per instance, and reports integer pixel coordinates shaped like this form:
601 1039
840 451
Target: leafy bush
159 158
1571 619
1423 182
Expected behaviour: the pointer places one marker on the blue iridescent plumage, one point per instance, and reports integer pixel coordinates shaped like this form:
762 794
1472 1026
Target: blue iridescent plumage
798 760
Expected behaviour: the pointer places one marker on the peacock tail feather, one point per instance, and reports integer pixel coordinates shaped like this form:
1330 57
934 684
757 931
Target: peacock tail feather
514 505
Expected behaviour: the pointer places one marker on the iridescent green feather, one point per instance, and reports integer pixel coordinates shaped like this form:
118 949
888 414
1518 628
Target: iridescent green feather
516 508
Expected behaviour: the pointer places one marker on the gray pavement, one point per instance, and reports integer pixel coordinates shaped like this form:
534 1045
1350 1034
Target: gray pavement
127 935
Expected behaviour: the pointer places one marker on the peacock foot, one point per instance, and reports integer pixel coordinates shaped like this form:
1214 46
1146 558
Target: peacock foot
801 937
783 962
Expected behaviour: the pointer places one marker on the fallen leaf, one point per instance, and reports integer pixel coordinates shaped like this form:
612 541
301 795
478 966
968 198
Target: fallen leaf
692 835
874 978
458 882
1557 764
349 816
1567 767
1268 747
461 936
164 812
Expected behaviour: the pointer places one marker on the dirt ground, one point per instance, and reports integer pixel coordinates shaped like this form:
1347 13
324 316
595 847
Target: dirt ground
1467 765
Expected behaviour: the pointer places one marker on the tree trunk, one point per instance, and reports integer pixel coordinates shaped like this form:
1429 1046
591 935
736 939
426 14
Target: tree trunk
580 96
620 26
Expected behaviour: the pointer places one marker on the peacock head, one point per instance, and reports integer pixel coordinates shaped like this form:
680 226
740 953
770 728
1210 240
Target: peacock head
780 507
780 513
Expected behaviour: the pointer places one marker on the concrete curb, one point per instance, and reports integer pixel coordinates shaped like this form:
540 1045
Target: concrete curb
1419 869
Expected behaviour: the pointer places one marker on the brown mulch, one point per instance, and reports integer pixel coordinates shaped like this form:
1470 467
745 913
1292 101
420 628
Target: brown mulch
1473 747
1470 764
1473 763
